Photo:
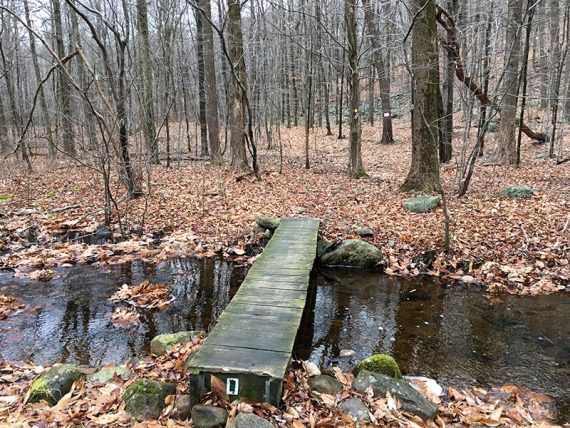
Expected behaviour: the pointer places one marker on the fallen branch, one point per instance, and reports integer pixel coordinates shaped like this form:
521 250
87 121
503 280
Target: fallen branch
62 209
451 44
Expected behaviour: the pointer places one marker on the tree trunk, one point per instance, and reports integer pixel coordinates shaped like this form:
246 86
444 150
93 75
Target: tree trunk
355 167
506 151
445 145
46 121
211 84
237 102
382 72
147 96
64 90
201 83
90 119
424 170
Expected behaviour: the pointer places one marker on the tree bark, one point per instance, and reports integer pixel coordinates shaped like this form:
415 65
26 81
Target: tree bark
64 90
382 72
201 83
211 84
237 102
149 126
355 167
46 122
424 170
506 151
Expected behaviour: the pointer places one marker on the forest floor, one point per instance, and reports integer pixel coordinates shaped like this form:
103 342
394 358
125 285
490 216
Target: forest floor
518 246
194 208
98 404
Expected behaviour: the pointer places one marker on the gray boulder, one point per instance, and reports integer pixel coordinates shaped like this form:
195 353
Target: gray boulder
106 374
364 232
352 253
325 384
267 222
517 192
209 416
182 407
160 344
249 420
412 401
356 409
421 204
323 246
144 398
53 384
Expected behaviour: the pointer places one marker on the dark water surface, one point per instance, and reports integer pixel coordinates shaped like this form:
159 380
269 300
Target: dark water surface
455 335
70 316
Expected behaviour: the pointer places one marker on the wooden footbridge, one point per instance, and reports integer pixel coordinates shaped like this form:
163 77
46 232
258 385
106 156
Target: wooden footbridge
250 347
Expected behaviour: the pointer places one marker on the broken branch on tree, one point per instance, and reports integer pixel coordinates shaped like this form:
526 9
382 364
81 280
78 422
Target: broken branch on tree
451 44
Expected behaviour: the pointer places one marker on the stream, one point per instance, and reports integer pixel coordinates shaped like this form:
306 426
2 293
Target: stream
457 335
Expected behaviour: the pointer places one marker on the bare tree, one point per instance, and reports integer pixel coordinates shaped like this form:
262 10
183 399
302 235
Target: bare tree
355 167
424 170
147 106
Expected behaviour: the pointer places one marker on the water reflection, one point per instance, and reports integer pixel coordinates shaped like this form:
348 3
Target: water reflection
68 318
455 335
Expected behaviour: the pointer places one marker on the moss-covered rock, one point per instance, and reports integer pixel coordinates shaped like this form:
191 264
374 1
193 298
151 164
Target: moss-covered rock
144 398
352 253
106 374
425 258
160 344
517 192
53 384
421 204
323 246
380 363
410 399
267 222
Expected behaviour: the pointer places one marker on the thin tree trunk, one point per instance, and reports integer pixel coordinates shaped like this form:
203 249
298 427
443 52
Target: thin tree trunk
355 167
64 90
46 121
151 140
201 84
382 71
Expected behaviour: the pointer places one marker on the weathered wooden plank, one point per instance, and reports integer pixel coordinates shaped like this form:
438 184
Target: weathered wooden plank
252 342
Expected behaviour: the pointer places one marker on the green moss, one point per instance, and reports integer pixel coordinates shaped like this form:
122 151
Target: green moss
143 387
267 222
421 204
40 390
160 344
380 363
517 192
52 193
5 198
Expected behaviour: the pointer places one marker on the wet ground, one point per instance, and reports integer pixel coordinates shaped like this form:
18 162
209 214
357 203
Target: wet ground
454 334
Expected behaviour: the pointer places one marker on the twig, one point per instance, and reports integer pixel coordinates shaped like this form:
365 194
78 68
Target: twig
527 242
62 209
566 225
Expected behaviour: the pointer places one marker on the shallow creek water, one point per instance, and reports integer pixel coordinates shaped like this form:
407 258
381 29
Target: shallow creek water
453 334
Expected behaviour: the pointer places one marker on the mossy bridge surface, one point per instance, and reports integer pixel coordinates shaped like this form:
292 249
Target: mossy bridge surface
250 347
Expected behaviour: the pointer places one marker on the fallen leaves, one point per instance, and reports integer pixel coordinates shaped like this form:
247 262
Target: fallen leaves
145 295
216 217
9 306
124 317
